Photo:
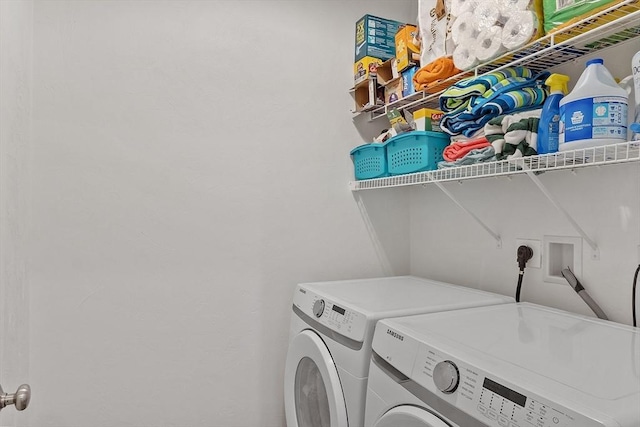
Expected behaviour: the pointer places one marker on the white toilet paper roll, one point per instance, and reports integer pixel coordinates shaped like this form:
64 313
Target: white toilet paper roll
507 7
520 29
487 14
464 28
464 58
458 7
489 43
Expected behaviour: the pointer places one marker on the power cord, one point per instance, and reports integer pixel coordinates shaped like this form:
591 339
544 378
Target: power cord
633 295
525 253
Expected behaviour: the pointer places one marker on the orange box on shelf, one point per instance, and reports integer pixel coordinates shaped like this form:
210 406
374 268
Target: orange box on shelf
405 48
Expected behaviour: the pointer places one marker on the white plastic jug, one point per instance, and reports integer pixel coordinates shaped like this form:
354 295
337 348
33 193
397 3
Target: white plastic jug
595 112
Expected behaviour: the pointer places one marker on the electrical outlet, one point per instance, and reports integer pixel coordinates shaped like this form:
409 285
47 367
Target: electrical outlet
536 247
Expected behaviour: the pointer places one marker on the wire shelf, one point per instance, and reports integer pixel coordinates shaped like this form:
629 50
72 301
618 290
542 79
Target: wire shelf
624 152
608 27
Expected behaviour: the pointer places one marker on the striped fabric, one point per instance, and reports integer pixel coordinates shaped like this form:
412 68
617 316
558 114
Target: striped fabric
471 103
452 98
514 135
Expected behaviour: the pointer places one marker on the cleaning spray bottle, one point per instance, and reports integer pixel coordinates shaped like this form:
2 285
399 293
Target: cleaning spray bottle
595 112
549 127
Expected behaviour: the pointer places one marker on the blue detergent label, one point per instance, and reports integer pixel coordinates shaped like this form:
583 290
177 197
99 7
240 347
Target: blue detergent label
599 117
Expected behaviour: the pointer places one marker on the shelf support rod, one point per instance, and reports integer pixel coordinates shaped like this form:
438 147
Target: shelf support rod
493 234
595 254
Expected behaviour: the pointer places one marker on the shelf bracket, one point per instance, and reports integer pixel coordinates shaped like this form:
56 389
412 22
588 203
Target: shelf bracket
493 234
595 251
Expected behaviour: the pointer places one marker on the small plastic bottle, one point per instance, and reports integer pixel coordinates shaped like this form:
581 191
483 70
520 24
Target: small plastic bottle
595 112
549 127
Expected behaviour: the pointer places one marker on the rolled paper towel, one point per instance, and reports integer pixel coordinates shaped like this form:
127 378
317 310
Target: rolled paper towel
507 7
464 29
459 7
520 29
464 58
487 14
489 43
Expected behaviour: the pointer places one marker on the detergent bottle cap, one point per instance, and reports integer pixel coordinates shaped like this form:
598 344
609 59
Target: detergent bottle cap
595 61
558 83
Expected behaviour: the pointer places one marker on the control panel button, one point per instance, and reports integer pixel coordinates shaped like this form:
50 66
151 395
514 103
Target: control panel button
492 414
482 409
446 376
318 307
503 421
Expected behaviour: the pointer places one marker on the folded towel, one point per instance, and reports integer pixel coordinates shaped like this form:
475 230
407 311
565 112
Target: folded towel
458 150
479 103
430 75
514 135
461 92
478 155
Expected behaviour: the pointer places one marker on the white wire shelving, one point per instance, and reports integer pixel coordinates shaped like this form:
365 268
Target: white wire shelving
624 152
532 166
608 27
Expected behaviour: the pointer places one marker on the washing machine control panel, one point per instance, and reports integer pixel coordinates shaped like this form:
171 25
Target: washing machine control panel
492 400
337 317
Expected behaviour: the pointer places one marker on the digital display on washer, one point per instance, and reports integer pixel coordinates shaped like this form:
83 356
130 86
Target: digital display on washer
505 392
338 309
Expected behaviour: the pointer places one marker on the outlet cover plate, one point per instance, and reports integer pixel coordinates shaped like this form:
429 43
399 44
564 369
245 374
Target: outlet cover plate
561 252
536 247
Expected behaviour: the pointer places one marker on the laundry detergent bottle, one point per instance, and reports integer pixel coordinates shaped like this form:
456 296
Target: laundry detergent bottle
549 127
595 112
635 68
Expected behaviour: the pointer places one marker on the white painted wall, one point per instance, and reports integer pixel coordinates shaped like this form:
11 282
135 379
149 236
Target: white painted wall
446 244
16 36
189 168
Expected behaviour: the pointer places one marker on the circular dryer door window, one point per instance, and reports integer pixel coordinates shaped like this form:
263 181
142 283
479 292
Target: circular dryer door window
312 404
410 416
312 391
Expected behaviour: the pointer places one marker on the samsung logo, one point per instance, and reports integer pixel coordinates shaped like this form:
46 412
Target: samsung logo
395 335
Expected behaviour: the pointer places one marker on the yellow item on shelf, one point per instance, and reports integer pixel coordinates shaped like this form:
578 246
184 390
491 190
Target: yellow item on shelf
365 68
557 83
405 48
428 119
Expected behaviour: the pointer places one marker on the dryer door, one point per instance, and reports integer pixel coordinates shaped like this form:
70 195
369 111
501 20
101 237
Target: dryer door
410 416
312 392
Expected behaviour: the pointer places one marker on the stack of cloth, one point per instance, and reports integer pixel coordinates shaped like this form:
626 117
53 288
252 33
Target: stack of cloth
514 135
432 77
471 103
467 152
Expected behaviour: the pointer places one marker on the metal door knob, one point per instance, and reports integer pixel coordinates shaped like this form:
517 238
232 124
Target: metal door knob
20 398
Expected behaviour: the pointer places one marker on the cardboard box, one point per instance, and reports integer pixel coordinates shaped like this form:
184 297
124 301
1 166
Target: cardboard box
407 81
365 68
375 37
387 71
407 53
428 119
393 90
367 95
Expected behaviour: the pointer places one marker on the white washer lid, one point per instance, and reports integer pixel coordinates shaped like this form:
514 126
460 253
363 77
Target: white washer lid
389 296
592 356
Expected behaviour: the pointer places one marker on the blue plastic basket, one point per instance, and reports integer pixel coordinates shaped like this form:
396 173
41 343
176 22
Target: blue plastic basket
369 161
415 151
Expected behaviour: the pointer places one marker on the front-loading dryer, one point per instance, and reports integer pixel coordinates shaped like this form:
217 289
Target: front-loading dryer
513 365
332 328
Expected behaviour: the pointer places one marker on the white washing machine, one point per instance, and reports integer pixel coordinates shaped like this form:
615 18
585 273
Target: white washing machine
332 328
513 365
